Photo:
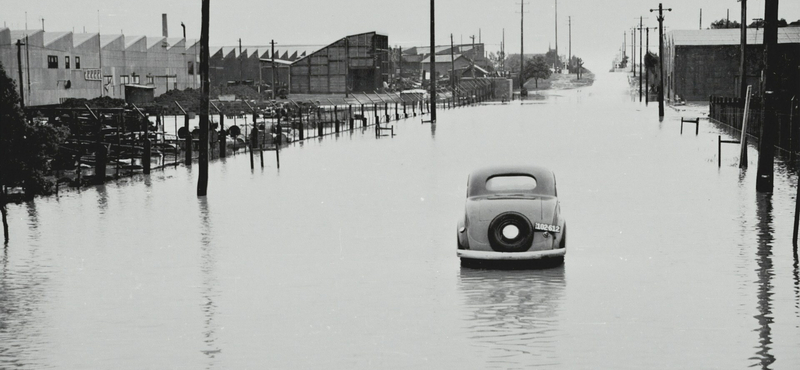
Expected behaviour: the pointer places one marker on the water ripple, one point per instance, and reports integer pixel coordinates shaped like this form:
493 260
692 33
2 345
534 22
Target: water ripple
513 314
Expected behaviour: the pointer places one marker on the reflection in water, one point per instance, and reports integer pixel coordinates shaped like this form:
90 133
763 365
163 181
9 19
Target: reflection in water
102 199
514 314
433 130
209 290
765 273
23 287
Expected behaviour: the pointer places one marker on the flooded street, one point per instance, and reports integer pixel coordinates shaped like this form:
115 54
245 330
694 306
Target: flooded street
346 257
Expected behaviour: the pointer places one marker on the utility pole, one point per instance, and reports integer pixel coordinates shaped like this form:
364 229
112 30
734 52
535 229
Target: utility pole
640 59
241 73
473 56
19 69
202 181
661 56
701 19
647 74
556 24
569 55
521 45
742 63
766 142
272 56
452 66
633 51
433 63
503 52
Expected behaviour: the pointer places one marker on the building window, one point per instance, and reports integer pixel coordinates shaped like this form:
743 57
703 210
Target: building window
191 68
77 62
135 79
124 80
149 80
52 61
66 62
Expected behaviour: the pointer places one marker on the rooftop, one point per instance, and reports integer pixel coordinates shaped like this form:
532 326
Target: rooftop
731 36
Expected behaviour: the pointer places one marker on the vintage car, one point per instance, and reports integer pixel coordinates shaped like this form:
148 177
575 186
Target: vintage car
512 213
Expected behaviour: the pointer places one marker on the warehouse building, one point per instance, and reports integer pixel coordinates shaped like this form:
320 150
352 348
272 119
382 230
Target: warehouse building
701 63
355 63
61 65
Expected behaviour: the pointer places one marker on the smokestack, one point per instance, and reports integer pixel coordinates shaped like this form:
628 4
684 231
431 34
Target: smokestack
164 25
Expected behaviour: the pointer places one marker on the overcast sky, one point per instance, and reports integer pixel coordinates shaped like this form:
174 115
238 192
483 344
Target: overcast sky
597 26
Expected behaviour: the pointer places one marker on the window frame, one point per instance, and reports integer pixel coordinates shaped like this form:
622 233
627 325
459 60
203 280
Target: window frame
77 62
52 62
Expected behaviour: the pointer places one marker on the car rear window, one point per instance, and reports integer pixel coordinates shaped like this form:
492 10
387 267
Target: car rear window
510 183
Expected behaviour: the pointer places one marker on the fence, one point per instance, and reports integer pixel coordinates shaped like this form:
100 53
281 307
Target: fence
730 111
125 141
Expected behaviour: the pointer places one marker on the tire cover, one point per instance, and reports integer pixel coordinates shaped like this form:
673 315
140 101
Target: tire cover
500 243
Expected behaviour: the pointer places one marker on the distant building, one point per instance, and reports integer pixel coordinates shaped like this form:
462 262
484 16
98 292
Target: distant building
355 63
61 65
701 63
445 64
417 58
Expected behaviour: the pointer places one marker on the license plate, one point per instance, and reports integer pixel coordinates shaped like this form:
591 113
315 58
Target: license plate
546 227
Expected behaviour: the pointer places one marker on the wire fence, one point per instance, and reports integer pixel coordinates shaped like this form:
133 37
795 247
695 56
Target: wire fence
730 111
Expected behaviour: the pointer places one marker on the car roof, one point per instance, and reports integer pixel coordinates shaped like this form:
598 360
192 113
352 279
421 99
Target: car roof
545 179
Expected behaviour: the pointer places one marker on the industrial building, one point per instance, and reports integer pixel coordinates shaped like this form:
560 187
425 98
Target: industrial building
701 63
416 59
355 63
61 65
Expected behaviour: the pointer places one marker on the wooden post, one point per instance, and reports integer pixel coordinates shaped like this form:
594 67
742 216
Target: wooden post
719 150
743 140
319 122
202 181
278 145
350 120
766 141
336 117
364 118
223 141
253 143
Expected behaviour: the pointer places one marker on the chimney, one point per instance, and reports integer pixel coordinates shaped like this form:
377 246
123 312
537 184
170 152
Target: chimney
164 25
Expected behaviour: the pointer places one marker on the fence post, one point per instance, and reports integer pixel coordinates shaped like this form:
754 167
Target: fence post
350 115
319 121
188 140
300 119
336 117
363 117
377 117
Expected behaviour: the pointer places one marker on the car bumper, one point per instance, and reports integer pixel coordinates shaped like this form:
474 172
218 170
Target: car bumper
484 255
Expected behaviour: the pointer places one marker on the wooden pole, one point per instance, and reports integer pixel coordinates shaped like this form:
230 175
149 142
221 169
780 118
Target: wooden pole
202 181
743 140
661 56
766 147
433 63
742 52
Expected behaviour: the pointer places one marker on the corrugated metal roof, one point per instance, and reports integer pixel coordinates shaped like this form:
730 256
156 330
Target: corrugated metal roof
442 58
731 36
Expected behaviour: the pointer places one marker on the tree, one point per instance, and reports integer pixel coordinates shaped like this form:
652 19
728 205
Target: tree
724 23
552 59
25 148
536 68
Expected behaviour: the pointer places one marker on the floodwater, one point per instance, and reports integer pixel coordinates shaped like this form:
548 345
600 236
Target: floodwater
345 257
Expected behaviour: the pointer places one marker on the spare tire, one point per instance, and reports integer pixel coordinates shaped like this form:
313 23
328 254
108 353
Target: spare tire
502 242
